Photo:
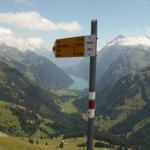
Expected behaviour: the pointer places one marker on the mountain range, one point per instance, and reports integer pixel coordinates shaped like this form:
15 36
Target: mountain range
60 62
36 67
128 108
119 57
31 96
32 110
123 92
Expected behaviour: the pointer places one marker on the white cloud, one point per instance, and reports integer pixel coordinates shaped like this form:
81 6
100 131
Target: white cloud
131 41
5 31
34 21
22 43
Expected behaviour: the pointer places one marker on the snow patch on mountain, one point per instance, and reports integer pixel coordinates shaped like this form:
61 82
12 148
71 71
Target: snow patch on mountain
130 41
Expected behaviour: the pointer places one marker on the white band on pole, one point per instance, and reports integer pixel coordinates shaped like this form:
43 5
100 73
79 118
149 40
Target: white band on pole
92 95
91 113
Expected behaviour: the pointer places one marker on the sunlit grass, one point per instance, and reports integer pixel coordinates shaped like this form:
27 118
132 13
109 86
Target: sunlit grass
14 143
68 107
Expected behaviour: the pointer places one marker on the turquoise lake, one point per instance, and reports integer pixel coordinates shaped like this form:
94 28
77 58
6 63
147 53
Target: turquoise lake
79 83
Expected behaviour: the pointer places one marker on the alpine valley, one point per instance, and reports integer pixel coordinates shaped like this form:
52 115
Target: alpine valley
36 105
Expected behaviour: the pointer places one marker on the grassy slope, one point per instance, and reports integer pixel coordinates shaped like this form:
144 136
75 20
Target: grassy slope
128 109
68 107
8 120
66 100
130 105
12 143
15 88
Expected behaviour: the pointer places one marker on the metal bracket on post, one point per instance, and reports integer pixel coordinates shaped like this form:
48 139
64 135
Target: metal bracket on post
92 91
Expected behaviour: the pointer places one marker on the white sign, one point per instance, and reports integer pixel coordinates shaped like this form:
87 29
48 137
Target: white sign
90 45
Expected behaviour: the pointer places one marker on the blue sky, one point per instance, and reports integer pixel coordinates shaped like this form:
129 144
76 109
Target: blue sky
115 17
